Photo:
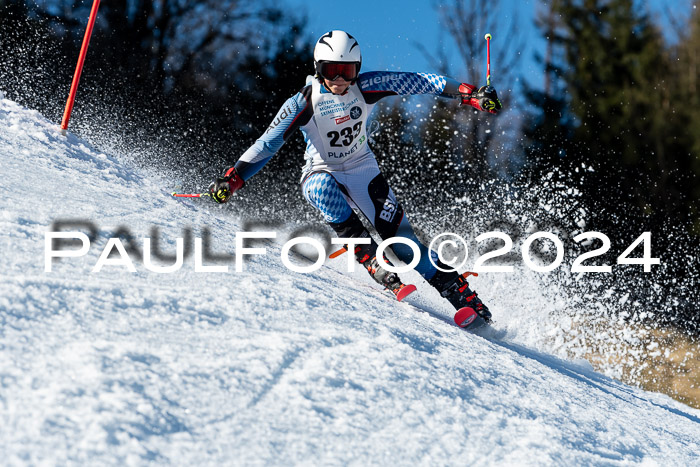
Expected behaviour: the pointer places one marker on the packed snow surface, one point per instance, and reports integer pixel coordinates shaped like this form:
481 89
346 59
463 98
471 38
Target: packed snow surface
266 366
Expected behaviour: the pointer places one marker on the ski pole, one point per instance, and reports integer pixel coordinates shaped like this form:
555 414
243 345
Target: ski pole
190 195
488 59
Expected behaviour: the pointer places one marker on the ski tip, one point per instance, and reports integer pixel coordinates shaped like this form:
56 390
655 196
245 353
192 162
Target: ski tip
405 291
468 318
465 317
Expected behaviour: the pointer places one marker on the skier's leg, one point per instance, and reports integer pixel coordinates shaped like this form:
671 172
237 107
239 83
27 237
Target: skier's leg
425 266
323 192
378 203
451 285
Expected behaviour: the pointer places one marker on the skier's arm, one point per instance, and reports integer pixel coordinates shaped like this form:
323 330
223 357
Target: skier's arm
295 113
376 85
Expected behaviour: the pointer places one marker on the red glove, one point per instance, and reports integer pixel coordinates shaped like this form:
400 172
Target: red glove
484 99
221 189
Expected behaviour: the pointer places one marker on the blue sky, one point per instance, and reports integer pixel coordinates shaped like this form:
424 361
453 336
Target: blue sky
387 30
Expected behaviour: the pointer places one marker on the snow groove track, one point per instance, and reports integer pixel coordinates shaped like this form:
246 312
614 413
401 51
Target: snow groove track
264 366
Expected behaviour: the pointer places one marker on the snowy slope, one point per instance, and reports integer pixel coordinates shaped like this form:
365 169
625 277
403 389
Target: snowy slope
264 366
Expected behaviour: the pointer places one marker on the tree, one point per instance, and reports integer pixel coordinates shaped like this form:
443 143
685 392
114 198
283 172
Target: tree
612 101
684 98
549 127
470 134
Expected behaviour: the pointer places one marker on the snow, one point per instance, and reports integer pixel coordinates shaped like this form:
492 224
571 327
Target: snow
267 366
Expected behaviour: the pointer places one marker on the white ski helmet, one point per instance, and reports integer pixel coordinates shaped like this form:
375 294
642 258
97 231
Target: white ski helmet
337 53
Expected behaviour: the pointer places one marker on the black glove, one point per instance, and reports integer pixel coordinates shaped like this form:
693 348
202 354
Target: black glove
486 99
222 188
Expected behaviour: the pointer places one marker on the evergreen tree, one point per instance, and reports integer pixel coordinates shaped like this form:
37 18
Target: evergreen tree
619 120
685 102
549 127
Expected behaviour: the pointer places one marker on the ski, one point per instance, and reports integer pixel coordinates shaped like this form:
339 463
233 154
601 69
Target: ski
465 317
404 291
400 292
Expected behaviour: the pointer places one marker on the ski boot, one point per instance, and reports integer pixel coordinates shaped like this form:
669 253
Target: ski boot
366 256
455 288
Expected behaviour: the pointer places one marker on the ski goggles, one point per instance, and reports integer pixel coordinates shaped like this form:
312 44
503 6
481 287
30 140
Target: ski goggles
332 70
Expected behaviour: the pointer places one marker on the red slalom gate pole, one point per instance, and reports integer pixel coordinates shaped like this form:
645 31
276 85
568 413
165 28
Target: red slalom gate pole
79 66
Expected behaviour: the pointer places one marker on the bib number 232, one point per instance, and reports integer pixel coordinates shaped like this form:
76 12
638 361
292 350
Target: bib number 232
348 135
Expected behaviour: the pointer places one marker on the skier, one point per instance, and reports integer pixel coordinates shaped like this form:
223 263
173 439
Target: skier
341 172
